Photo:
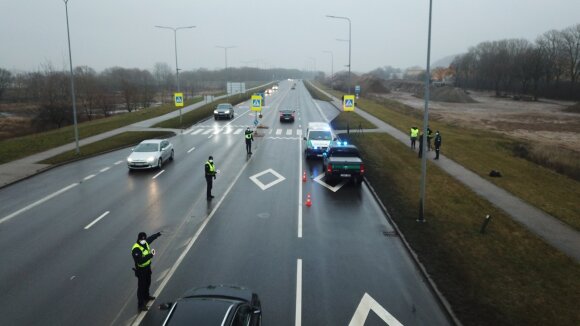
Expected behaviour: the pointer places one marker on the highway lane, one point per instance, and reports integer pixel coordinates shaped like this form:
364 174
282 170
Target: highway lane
60 273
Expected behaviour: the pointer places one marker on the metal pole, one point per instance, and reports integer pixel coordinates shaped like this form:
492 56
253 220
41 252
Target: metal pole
331 69
425 123
226 59
72 82
349 52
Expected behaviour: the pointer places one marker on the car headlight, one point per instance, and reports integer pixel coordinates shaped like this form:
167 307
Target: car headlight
228 111
150 159
129 160
215 112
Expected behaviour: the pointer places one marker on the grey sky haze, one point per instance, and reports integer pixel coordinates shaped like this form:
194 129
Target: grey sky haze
273 33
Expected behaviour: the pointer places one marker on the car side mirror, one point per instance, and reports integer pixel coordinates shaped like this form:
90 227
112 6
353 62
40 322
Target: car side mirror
335 139
304 138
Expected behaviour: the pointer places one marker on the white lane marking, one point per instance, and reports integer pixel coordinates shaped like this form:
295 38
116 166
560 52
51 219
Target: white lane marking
299 190
187 132
197 131
318 179
279 178
105 169
24 209
270 131
118 162
238 131
278 132
298 316
320 111
88 177
191 150
158 174
162 275
298 132
289 132
207 132
97 219
228 131
367 303
209 136
141 315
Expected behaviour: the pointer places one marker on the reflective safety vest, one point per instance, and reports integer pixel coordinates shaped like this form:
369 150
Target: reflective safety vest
144 252
414 132
211 167
248 135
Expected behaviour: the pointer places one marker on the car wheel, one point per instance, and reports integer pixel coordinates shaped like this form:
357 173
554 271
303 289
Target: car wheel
160 163
172 154
215 118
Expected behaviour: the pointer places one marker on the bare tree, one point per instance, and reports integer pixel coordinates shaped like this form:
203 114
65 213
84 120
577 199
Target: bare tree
5 80
164 78
87 90
570 43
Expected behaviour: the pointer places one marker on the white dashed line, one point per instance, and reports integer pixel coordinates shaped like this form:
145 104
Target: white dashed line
88 177
158 174
191 150
96 220
104 169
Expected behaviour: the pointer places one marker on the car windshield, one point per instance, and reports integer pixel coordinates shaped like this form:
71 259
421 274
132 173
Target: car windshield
223 106
320 135
147 147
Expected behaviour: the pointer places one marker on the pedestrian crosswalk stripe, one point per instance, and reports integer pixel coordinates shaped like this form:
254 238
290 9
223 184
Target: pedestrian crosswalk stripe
238 131
278 132
227 131
270 131
197 131
299 132
289 132
207 132
187 131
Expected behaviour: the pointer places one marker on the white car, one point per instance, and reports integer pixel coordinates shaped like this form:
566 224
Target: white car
151 153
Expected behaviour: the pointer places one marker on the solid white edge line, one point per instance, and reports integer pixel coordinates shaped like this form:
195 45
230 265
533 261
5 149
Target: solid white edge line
298 316
158 174
191 150
97 219
299 189
141 315
6 218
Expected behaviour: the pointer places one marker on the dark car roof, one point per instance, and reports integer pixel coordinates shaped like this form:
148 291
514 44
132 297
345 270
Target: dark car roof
224 106
287 110
200 311
221 291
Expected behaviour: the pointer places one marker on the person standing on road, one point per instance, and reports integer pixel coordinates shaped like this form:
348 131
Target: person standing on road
420 144
142 255
249 135
414 133
437 144
210 173
429 137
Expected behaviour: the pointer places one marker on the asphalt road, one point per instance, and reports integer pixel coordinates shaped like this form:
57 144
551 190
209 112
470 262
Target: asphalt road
66 234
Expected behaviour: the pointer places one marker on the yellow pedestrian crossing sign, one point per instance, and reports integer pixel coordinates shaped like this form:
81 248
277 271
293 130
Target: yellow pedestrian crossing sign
256 103
348 103
178 97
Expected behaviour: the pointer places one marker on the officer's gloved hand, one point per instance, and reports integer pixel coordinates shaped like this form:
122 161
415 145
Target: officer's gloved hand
158 234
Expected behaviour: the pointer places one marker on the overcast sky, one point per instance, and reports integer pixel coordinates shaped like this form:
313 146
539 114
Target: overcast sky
106 33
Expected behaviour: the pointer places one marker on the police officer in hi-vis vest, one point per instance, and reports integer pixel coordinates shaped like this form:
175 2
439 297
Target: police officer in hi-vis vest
249 135
414 134
210 173
142 255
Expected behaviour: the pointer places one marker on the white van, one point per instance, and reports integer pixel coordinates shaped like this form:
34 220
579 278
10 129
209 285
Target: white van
318 137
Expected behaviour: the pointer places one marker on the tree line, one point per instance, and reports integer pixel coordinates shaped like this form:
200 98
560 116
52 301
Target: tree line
548 67
100 94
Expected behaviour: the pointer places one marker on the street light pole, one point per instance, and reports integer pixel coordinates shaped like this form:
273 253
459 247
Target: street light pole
349 46
331 69
72 82
425 123
175 29
226 71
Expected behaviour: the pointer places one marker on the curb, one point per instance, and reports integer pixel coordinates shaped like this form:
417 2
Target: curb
431 284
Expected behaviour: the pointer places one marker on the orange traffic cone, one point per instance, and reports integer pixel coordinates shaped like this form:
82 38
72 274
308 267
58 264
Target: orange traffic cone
304 176
308 201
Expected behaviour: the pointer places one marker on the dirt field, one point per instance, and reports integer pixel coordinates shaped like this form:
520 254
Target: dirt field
543 121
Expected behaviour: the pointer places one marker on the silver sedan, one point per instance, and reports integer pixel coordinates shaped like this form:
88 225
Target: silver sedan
151 153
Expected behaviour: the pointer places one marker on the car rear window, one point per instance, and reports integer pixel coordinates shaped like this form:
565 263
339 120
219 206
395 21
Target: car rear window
200 312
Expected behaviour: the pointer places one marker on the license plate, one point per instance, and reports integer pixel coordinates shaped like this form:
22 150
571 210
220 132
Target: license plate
345 175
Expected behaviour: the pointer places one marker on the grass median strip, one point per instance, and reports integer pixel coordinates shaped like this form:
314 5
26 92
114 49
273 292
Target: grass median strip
507 276
119 141
16 148
483 151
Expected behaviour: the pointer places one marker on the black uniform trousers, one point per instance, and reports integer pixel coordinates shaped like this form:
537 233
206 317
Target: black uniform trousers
248 146
209 181
143 284
437 146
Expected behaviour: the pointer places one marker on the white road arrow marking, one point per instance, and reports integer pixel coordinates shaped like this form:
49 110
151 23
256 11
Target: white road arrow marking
365 306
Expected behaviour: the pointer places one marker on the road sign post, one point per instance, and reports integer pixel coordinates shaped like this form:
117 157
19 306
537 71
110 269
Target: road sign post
178 99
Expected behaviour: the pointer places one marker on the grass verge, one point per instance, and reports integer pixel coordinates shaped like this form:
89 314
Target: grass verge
351 120
506 277
483 151
315 93
122 140
15 148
